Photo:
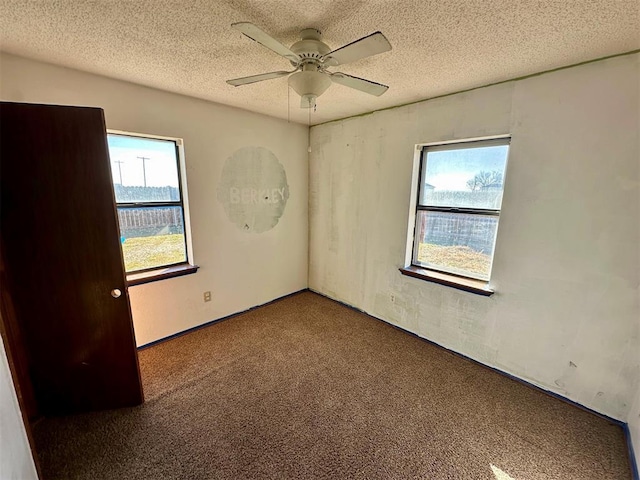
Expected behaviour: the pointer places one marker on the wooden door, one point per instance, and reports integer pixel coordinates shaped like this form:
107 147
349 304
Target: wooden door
62 258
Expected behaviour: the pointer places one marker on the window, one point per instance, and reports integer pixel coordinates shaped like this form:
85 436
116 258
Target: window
458 207
147 183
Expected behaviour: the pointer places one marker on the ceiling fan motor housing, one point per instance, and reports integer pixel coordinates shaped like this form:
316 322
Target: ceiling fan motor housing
310 49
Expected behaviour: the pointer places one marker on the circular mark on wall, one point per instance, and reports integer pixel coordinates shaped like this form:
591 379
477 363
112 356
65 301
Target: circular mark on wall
253 189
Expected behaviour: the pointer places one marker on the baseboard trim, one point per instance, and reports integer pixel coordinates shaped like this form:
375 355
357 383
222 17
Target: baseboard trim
461 355
217 320
632 458
625 427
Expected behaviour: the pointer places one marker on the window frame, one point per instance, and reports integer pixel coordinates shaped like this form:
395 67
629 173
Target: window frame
440 275
187 266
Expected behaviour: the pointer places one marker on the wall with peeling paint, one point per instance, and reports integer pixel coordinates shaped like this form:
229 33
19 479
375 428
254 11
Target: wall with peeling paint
241 268
565 315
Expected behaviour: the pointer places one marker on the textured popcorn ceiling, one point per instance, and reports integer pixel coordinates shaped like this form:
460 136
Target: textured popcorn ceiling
439 46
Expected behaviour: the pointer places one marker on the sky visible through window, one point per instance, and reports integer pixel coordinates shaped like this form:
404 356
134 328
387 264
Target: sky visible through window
142 162
452 169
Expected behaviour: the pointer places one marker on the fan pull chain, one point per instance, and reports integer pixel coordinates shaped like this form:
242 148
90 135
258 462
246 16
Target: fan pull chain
288 104
309 133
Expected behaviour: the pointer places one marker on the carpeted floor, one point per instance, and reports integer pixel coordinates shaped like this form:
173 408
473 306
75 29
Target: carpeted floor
305 388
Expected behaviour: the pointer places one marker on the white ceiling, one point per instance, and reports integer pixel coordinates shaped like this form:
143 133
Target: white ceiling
439 46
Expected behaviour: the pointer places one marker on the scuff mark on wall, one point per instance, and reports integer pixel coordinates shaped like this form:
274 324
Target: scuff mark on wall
253 189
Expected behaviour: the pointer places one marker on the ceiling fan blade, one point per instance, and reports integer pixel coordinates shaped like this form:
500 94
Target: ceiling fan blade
263 38
365 47
236 82
366 86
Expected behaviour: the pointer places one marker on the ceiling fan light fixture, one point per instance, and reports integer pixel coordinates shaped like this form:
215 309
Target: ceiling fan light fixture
309 85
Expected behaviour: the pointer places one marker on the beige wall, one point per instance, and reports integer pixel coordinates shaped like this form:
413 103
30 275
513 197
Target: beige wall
241 269
565 315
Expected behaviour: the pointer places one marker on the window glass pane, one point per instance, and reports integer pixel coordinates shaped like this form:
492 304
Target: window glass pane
151 237
143 169
464 177
455 242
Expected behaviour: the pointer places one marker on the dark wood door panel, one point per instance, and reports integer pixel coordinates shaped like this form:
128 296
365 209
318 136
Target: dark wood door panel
60 235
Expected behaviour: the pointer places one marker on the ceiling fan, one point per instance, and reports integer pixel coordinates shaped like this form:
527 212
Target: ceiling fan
311 57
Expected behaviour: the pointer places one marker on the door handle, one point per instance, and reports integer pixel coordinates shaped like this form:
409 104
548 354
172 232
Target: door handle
115 293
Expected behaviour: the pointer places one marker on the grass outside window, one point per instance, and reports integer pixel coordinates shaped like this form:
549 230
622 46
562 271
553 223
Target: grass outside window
142 253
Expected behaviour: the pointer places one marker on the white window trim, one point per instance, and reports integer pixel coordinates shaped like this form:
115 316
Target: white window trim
465 283
143 277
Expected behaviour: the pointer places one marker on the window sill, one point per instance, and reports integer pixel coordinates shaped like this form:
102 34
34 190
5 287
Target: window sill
160 274
479 287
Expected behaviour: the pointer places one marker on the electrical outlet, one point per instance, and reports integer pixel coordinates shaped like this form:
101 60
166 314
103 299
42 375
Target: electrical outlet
392 297
207 296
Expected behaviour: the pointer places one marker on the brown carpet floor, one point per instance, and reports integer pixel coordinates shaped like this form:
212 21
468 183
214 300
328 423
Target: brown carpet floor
305 388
